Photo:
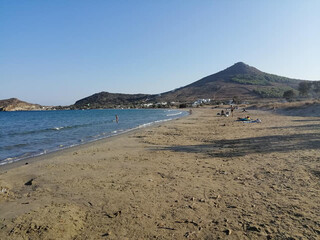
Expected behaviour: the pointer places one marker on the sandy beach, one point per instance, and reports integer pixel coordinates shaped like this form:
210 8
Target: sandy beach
199 177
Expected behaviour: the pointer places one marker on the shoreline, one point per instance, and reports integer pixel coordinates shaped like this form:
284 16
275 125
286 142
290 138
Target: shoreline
44 156
22 161
200 177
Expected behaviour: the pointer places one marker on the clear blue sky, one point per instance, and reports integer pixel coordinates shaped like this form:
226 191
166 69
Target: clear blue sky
57 52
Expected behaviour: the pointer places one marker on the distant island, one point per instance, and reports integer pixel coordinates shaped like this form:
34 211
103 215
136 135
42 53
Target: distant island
240 82
14 104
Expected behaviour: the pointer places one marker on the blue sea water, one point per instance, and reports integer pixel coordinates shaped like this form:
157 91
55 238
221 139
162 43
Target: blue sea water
28 134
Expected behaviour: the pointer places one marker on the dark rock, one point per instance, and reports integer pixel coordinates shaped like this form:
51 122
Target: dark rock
227 231
105 235
115 214
231 206
253 228
29 183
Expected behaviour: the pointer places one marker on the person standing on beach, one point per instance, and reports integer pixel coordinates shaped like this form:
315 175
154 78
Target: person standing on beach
117 119
231 109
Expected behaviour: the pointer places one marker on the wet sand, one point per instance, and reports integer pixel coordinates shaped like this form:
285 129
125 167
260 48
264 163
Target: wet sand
199 177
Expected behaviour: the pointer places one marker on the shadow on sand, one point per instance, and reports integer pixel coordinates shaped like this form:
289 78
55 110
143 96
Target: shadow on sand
307 120
245 146
303 127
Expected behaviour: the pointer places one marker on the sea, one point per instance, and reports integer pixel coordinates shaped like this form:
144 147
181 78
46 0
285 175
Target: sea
26 134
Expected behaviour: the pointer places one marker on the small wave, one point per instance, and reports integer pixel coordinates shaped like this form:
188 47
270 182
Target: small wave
57 128
155 122
70 127
11 147
21 157
48 129
6 161
174 114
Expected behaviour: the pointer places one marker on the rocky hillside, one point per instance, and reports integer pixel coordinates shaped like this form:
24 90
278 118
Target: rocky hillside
110 100
239 80
14 104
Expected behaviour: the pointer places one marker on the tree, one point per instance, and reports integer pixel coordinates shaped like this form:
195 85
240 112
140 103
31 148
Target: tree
182 105
289 94
304 88
236 100
316 87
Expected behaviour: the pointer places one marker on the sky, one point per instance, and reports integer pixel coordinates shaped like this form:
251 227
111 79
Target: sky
57 52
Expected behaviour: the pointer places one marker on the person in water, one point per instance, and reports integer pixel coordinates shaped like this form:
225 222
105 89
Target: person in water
117 119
